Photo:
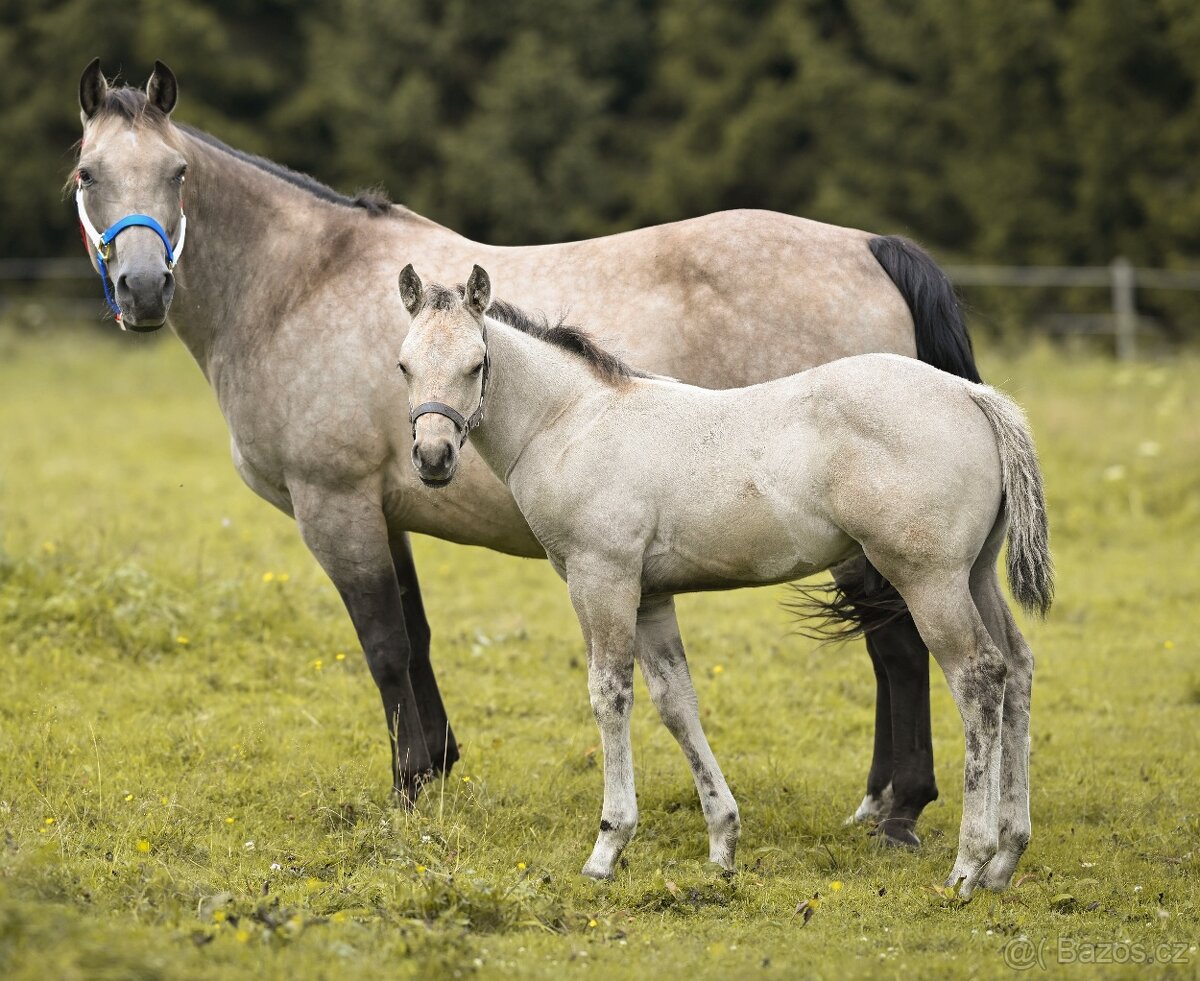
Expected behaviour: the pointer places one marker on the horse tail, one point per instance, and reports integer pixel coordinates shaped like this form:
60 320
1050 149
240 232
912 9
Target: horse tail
941 331
1030 568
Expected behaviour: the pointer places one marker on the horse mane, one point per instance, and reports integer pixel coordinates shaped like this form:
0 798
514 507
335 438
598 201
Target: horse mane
373 200
605 364
132 105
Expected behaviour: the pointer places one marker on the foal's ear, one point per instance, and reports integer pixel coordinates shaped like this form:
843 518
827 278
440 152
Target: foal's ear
410 289
479 291
92 89
162 90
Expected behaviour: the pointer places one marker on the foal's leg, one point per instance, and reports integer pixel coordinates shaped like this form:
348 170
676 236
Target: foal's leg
976 671
346 532
664 666
1014 822
606 603
439 737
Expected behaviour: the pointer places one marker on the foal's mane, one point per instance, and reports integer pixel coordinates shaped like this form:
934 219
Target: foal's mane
132 105
605 364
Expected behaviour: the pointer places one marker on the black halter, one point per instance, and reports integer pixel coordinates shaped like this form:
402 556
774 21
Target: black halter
462 426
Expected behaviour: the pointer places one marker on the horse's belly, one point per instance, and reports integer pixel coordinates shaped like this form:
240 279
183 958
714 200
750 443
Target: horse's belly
755 543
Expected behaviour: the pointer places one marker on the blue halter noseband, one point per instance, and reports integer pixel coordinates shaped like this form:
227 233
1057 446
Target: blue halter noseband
101 243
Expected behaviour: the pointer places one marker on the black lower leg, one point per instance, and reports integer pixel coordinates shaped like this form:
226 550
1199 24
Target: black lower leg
374 607
899 647
880 774
439 737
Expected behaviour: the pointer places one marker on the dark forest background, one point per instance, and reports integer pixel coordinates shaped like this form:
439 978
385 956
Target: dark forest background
1023 132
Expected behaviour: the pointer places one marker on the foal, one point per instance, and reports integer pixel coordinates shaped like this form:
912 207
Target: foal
641 487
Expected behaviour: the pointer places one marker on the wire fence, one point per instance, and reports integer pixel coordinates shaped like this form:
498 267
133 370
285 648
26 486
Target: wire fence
1120 277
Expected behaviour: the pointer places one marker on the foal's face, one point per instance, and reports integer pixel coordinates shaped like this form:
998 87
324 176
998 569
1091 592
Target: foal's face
443 361
133 166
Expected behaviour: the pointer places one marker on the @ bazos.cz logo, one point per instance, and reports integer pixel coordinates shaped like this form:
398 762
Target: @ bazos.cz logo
1022 953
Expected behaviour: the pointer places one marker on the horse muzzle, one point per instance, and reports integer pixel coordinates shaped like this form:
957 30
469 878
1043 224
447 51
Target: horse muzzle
145 297
435 460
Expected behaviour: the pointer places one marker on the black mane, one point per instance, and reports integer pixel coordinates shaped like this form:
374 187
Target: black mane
374 201
607 365
132 105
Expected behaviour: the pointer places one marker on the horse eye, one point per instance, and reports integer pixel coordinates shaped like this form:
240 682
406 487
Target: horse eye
476 370
85 178
178 178
403 367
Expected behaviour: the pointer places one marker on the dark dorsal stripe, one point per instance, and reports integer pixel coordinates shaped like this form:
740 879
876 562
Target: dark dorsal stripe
561 334
132 105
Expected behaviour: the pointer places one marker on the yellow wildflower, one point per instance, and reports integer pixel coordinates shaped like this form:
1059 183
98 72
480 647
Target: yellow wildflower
182 640
339 656
268 576
835 886
230 820
520 866
143 846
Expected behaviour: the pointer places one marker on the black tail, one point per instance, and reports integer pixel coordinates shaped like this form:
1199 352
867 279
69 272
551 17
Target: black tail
942 338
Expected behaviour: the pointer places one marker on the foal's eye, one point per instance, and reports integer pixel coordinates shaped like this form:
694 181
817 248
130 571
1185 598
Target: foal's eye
85 178
180 175
403 367
476 370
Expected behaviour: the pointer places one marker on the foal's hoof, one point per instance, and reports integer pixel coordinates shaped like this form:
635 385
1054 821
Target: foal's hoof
897 833
597 874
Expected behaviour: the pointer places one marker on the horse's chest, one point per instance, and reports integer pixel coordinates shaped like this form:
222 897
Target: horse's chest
266 481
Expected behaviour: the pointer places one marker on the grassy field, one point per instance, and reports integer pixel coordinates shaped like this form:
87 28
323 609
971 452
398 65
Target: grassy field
193 765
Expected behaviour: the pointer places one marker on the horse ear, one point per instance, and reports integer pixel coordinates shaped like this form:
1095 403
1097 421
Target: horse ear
479 291
410 290
162 90
92 89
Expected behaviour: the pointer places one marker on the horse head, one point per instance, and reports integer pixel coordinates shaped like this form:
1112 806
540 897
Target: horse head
128 187
444 362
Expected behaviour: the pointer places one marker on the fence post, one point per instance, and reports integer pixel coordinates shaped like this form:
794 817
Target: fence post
1124 309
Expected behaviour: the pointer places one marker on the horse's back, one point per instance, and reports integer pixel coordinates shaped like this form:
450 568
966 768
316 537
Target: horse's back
725 300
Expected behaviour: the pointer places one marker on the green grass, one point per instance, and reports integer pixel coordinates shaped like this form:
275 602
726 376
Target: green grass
193 780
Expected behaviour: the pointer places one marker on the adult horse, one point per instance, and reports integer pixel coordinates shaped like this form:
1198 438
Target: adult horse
286 297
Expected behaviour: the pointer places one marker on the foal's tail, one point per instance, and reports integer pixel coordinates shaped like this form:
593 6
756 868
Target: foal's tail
1030 569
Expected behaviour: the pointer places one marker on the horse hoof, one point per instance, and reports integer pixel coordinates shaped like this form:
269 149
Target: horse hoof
897 834
408 788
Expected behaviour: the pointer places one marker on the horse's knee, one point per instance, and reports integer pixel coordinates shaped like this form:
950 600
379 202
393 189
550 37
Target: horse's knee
612 700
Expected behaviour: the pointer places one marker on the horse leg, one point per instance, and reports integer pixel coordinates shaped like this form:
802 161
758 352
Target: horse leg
976 671
346 532
439 737
878 799
901 780
664 666
899 647
607 605
1015 825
